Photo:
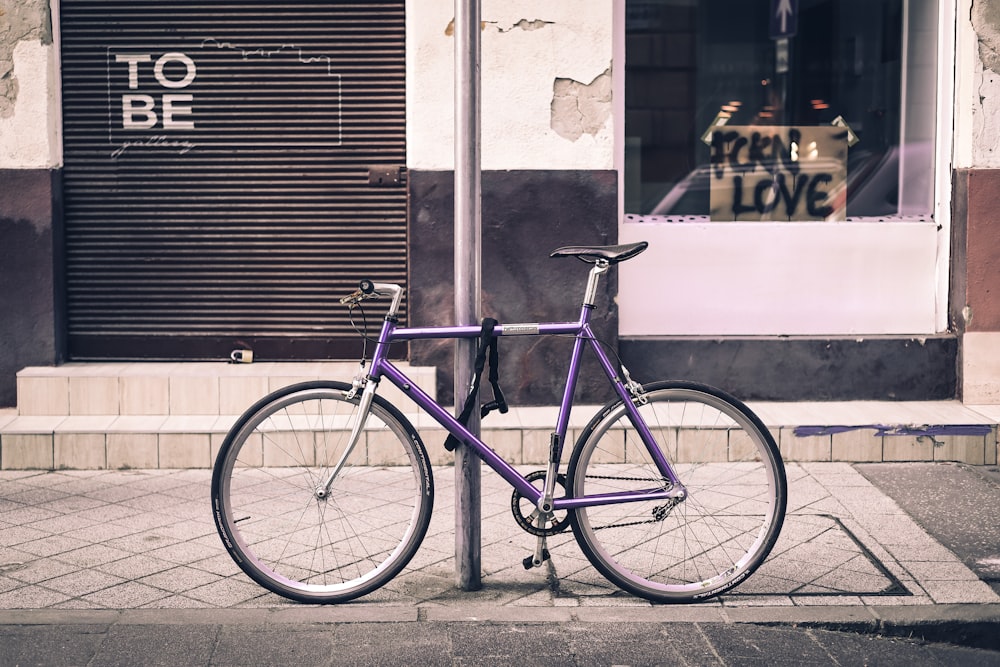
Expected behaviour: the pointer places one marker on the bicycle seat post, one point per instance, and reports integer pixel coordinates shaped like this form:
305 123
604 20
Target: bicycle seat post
600 267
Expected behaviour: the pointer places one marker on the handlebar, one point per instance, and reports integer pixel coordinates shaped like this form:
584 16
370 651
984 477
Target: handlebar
372 290
366 290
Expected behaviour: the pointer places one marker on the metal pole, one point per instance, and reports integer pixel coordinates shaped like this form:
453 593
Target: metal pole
468 280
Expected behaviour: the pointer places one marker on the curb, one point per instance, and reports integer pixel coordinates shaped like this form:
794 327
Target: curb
972 626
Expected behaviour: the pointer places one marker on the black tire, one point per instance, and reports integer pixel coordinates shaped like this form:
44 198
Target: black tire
308 546
713 539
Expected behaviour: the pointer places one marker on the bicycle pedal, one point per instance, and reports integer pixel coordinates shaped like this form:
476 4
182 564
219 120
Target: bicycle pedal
529 562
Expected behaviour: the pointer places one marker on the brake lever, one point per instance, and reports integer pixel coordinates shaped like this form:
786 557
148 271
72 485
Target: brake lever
354 298
366 290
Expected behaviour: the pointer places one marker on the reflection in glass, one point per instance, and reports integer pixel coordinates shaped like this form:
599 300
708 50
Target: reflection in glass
694 65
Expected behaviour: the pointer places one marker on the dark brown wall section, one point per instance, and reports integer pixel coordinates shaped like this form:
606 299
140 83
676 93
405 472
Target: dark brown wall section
976 250
884 368
526 215
30 266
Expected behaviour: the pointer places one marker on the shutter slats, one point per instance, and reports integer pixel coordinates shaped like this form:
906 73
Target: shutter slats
251 223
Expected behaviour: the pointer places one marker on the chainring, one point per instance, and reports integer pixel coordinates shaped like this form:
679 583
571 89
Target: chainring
526 514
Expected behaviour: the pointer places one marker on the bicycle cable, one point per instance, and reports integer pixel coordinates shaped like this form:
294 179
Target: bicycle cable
363 331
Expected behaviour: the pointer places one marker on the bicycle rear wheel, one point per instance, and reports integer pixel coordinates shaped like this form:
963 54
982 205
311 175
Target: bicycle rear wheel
708 542
292 538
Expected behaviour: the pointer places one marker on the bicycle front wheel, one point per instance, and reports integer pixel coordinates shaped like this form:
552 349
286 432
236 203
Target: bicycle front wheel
290 531
719 533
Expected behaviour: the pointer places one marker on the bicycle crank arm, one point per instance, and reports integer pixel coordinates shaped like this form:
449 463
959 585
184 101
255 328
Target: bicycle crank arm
540 556
541 552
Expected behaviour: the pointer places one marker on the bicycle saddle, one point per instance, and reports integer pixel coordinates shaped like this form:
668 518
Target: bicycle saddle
611 253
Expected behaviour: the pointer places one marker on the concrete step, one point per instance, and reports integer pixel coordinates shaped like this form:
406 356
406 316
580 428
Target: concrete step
183 388
114 416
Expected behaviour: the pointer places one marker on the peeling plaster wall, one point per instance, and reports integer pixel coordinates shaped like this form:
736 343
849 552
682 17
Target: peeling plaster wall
27 20
579 108
30 136
546 84
977 73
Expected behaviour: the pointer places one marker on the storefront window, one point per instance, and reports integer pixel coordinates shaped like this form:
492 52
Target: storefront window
783 110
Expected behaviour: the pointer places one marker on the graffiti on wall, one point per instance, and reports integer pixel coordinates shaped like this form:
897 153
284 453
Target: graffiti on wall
220 96
151 105
778 173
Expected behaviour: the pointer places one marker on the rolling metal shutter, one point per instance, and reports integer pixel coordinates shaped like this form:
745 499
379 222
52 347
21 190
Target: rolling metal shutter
231 170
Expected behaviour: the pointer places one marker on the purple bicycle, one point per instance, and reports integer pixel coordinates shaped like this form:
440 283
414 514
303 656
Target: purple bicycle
675 491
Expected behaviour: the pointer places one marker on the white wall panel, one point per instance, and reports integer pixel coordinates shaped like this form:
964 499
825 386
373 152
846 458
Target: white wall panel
754 279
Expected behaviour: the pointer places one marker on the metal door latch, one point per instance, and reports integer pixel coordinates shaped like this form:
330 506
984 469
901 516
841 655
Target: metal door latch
384 176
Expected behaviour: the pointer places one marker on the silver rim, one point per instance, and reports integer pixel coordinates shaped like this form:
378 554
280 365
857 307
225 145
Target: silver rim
301 545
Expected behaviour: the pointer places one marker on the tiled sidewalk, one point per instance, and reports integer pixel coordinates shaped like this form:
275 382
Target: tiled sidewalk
145 539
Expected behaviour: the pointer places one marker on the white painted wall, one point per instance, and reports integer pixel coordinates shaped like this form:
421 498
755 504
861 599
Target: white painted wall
526 46
796 279
31 136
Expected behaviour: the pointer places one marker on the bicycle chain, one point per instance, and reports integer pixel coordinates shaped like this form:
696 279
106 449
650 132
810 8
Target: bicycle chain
627 479
660 513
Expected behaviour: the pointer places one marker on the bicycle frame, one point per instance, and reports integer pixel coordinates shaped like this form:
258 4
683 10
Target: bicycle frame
382 367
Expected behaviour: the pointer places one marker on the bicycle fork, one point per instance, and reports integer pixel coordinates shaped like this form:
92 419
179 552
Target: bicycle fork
363 380
361 416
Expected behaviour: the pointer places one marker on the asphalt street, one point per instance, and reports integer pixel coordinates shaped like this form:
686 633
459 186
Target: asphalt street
142 644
